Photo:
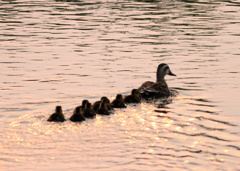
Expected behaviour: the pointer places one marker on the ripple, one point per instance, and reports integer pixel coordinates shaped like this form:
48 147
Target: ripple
215 120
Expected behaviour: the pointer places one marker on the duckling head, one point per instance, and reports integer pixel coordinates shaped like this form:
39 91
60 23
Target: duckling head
84 103
119 97
78 109
104 98
135 92
58 109
163 70
88 105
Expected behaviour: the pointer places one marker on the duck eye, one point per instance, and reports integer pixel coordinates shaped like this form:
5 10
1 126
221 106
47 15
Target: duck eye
166 68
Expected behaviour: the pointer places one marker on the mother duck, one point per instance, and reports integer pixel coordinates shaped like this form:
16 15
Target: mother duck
159 88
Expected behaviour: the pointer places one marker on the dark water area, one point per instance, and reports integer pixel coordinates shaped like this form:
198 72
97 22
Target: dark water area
61 52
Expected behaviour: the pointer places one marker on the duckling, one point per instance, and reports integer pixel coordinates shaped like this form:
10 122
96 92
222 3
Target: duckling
88 112
97 103
134 97
77 115
57 116
118 102
159 88
102 110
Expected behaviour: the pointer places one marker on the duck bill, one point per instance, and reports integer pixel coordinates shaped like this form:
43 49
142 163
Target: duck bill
172 74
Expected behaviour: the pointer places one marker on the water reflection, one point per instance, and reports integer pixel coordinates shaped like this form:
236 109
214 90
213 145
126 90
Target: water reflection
145 126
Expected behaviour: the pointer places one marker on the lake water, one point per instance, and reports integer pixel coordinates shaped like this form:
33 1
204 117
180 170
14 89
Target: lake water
61 52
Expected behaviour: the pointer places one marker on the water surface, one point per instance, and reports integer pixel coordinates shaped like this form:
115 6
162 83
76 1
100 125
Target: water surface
61 52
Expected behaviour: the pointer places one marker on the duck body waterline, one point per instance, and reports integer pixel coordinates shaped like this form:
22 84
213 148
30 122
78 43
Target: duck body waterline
159 88
57 116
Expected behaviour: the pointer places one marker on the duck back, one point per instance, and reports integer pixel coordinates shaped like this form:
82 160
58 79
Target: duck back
155 90
57 116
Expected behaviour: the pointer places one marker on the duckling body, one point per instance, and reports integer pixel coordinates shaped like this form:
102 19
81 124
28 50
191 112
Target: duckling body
57 116
88 112
118 102
97 103
159 88
102 110
135 97
77 115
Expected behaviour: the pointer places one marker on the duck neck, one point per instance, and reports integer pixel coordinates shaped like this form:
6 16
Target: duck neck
160 78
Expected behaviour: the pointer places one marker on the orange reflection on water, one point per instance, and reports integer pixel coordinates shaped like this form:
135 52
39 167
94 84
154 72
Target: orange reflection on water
154 125
150 150
167 122
226 151
178 128
194 144
14 124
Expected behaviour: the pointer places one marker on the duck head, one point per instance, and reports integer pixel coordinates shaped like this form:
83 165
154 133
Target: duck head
162 70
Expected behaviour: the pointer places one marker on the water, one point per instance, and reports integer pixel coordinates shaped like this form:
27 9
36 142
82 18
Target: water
61 52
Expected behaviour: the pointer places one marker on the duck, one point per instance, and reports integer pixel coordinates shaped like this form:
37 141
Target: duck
77 115
57 116
159 88
135 97
118 102
102 109
97 103
88 111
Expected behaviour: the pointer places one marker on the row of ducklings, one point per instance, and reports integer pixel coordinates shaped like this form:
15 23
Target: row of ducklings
101 107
